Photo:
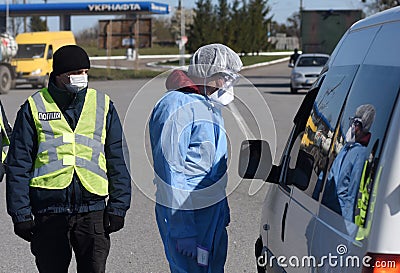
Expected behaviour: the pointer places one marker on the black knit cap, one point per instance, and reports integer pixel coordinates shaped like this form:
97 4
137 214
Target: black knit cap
70 58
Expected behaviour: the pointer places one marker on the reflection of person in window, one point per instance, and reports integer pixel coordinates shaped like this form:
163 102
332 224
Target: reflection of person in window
344 176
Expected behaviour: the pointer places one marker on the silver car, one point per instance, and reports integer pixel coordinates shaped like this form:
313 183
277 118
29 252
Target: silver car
306 70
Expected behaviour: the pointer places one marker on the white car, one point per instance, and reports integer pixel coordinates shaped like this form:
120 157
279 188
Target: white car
306 70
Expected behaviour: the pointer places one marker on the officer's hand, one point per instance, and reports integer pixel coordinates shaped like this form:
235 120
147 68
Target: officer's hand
112 222
187 246
24 229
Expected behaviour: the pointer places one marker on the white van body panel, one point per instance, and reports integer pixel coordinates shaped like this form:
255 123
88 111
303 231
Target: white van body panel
386 223
273 209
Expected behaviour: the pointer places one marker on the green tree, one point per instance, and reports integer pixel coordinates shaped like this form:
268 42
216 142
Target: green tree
293 25
203 30
381 5
258 12
235 25
37 24
242 26
245 29
223 26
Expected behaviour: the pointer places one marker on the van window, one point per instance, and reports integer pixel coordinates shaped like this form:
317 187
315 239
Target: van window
316 140
383 52
358 39
358 141
30 51
50 53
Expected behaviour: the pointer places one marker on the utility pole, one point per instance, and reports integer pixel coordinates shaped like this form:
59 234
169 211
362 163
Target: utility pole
137 41
25 19
182 42
301 23
7 15
45 1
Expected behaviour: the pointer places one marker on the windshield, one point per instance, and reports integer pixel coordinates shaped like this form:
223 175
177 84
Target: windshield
30 51
312 61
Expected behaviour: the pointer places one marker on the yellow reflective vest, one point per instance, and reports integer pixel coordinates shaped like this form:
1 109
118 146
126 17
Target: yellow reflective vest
5 140
63 151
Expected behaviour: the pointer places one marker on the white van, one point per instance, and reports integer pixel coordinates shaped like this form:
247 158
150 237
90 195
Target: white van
333 203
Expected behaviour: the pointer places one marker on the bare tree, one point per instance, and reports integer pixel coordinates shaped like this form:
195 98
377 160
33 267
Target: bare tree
381 5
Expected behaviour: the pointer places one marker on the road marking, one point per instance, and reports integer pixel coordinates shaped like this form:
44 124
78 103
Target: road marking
256 184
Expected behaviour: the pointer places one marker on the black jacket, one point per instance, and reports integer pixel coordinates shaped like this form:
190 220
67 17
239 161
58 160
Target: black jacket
23 201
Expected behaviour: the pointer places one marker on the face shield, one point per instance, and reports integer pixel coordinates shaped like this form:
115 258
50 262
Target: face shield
224 95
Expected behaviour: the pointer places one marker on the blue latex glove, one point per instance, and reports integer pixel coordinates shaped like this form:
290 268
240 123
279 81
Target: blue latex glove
187 246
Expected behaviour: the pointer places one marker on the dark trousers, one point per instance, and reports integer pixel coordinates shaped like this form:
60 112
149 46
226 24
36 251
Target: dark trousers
56 235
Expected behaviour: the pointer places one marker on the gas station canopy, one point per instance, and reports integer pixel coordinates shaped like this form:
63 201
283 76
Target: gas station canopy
65 10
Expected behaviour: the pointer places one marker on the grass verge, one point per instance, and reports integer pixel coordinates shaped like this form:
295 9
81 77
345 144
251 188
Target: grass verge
116 74
247 60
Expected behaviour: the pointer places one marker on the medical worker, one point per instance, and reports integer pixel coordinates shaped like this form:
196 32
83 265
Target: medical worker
344 177
68 185
189 149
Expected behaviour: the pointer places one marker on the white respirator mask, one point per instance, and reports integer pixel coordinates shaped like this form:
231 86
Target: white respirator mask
77 83
350 135
223 96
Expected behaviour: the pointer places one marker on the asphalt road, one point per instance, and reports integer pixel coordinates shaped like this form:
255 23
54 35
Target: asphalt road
264 109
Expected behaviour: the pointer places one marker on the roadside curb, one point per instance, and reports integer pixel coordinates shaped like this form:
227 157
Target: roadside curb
266 63
159 64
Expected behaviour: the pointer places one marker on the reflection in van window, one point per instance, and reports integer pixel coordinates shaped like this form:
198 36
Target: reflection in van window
381 94
30 51
316 141
345 173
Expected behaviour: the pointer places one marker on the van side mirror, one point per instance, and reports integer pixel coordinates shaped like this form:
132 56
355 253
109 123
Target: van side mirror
255 159
291 65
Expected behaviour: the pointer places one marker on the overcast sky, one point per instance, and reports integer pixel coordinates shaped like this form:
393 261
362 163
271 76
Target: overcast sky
281 9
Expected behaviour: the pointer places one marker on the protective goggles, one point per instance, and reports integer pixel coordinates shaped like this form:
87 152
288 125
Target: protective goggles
229 78
356 122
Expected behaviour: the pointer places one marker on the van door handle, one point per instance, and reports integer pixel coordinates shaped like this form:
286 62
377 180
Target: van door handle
284 222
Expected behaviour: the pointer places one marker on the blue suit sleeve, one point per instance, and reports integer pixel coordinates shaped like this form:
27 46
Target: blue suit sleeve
117 160
20 159
353 176
170 134
182 223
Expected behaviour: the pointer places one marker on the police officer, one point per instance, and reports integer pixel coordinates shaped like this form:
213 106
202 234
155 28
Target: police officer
5 133
65 158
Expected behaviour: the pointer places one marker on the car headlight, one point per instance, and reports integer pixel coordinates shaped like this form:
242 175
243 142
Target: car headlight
36 72
297 75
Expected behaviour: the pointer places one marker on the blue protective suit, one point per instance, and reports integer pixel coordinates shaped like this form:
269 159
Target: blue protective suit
344 180
190 160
